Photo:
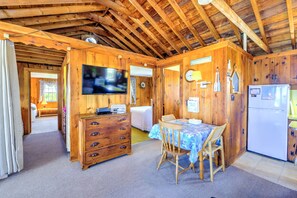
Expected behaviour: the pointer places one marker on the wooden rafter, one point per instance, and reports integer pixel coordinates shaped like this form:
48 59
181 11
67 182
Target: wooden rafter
63 24
96 30
151 35
122 46
114 6
41 2
167 20
37 55
109 42
291 23
154 24
235 28
134 41
223 7
121 38
74 33
259 21
41 50
136 33
44 11
206 19
40 60
99 19
183 17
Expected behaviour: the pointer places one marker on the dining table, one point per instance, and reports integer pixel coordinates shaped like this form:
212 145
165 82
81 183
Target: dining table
192 138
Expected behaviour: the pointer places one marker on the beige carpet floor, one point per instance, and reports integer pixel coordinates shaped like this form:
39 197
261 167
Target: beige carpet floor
44 124
138 136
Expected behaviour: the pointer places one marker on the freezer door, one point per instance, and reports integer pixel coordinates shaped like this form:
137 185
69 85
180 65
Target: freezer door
269 96
267 132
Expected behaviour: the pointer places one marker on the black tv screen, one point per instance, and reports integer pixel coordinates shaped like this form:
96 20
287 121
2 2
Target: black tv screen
103 80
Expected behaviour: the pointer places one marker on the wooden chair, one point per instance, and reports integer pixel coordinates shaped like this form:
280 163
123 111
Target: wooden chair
170 132
168 117
209 147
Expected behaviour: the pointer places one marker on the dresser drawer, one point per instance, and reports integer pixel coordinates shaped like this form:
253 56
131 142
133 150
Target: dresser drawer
98 133
119 149
106 122
110 140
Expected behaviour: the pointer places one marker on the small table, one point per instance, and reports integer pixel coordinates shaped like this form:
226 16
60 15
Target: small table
192 137
47 109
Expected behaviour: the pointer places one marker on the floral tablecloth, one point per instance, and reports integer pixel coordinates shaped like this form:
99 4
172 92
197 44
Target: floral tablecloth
192 136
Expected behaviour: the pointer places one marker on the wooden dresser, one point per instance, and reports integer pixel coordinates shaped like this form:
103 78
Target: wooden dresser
103 137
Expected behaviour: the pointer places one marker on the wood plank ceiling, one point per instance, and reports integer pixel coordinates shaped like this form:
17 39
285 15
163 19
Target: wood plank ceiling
162 28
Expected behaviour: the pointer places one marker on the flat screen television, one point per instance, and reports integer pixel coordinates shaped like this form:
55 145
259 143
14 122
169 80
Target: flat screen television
103 80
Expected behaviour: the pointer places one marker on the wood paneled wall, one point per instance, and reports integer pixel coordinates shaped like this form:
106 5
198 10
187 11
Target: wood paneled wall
82 104
143 95
35 94
279 68
24 70
171 92
215 107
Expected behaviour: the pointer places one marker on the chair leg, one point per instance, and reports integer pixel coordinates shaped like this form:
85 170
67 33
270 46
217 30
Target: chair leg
222 153
216 158
161 160
210 161
201 166
193 167
176 168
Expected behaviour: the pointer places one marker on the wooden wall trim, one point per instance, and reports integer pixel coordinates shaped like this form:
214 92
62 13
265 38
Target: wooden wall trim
287 53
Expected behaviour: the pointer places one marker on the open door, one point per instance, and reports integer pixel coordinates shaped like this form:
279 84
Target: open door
171 102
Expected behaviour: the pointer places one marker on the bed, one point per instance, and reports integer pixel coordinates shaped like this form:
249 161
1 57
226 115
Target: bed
33 111
141 117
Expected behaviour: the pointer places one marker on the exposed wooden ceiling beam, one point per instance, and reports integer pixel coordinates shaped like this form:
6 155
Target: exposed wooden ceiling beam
259 21
223 7
114 6
206 19
43 50
121 38
40 2
122 46
44 11
99 19
291 23
151 35
44 19
38 60
109 42
167 20
136 33
64 24
74 33
235 28
38 53
154 24
97 30
183 17
134 41
32 55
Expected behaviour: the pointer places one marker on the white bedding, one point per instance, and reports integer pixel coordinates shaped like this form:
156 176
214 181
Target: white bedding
141 117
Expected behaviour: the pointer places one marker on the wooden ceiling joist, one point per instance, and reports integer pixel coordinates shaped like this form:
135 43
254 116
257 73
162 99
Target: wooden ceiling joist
108 41
63 24
116 41
206 19
31 55
74 33
38 60
183 17
44 11
121 38
291 23
41 50
134 41
223 7
99 19
167 20
96 30
135 32
259 21
151 35
38 53
154 24
114 6
40 2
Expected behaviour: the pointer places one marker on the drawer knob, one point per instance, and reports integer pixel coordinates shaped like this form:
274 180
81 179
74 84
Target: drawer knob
95 133
93 154
95 144
123 147
292 133
292 153
94 123
122 119
122 138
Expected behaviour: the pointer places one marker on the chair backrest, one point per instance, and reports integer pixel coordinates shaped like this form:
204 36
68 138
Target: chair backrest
215 134
168 117
170 136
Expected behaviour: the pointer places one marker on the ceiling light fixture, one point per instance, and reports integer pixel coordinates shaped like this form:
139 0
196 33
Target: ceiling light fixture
204 2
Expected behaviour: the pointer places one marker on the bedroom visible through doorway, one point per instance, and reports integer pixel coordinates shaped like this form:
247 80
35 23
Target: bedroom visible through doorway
44 102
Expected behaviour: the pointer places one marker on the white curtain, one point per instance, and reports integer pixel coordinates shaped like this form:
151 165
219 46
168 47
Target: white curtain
48 82
133 90
11 126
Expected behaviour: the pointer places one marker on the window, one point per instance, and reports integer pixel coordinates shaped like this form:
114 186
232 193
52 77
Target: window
49 91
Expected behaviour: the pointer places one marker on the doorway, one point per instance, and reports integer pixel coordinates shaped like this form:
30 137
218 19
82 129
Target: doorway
171 103
44 102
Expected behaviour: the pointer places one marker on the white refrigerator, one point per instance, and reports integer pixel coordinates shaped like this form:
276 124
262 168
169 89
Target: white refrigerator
268 109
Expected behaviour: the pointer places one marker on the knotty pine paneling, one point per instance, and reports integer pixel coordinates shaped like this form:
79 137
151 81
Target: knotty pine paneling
143 95
171 93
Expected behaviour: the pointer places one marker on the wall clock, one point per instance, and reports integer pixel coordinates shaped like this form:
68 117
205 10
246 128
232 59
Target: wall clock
188 75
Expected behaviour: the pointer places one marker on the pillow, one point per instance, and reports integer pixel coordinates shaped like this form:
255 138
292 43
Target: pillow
33 106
